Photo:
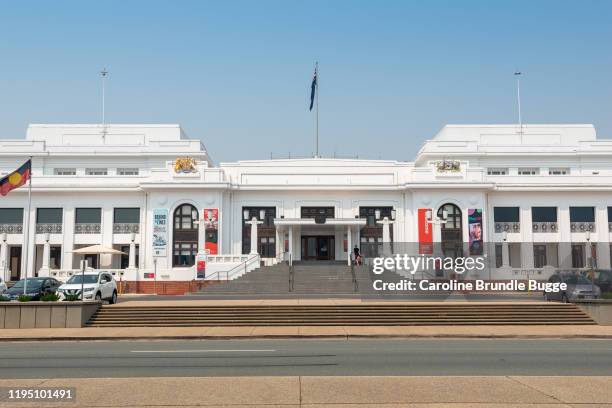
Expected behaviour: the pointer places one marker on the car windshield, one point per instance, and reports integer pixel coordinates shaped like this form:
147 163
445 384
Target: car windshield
78 279
32 283
577 280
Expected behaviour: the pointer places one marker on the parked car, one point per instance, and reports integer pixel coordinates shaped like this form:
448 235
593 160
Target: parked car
35 288
3 287
601 277
97 285
578 287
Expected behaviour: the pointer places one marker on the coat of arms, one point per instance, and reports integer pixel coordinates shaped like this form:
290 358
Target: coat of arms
185 165
444 166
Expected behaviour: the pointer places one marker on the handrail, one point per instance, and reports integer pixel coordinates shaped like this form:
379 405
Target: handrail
291 276
355 285
233 270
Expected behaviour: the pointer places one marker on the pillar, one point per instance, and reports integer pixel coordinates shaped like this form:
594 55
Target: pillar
46 260
254 236
132 256
505 254
4 260
291 244
349 244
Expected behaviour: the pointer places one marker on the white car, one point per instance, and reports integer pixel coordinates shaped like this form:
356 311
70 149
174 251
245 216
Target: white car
97 285
2 286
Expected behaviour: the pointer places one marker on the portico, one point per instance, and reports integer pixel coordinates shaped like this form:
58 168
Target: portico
320 238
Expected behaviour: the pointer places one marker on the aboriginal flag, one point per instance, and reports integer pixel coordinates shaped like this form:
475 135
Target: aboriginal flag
16 179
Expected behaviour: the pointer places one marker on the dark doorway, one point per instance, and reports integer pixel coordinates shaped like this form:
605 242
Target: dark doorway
318 247
15 262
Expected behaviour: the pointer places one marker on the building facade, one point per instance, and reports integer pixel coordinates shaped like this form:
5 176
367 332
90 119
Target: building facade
539 197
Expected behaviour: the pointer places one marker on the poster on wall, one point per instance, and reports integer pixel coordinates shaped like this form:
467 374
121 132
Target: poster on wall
425 231
211 228
475 229
160 232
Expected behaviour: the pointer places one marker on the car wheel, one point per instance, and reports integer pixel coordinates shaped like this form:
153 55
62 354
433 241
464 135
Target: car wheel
98 296
113 298
564 298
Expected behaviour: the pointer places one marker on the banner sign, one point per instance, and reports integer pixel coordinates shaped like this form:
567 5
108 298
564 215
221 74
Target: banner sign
160 232
475 229
201 266
211 228
425 231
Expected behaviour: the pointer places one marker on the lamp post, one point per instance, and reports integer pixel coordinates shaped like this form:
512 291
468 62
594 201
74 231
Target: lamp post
4 255
46 260
132 255
254 222
587 235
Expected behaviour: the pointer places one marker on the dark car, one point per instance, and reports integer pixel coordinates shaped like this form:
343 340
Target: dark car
35 288
578 287
601 278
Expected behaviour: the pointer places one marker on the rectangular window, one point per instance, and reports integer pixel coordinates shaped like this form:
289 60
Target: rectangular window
88 215
582 214
127 171
514 251
125 259
544 214
64 172
266 232
539 256
528 171
610 215
96 172
11 215
506 214
126 216
578 256
49 215
317 212
499 253
558 171
497 171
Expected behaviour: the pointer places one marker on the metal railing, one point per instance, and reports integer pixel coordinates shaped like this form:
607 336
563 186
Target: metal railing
87 228
544 227
242 266
507 226
291 275
582 226
355 285
11 228
51 228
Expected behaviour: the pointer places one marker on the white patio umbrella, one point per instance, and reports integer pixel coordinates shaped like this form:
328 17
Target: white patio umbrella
94 250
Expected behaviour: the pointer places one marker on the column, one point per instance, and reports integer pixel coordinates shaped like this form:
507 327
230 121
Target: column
349 245
4 259
291 244
132 256
254 223
505 254
46 260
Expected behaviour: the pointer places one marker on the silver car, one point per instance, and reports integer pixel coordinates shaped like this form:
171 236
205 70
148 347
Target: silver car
578 288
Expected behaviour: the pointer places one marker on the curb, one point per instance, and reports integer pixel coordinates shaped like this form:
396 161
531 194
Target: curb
312 337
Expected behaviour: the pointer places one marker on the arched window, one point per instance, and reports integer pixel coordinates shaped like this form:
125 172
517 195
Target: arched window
451 230
185 235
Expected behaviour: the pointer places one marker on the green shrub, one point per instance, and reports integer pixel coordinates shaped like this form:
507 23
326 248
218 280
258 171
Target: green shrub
24 298
606 295
4 299
71 298
50 297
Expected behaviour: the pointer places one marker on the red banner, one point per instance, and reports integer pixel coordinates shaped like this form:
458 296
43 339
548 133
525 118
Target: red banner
425 231
211 228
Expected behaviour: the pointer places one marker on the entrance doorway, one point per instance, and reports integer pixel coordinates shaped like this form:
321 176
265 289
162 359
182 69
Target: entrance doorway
15 262
318 247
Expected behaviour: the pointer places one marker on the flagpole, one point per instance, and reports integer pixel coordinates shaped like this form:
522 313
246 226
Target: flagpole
317 113
27 232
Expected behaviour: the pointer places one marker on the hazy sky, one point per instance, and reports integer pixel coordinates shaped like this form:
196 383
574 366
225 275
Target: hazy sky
236 74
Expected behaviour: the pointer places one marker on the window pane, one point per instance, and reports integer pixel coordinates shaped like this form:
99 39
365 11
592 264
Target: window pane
582 214
506 214
88 215
11 215
544 214
49 216
127 215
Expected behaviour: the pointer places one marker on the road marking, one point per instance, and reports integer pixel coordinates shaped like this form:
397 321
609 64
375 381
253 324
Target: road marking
204 351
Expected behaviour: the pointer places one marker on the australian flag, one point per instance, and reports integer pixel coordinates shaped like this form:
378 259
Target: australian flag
313 88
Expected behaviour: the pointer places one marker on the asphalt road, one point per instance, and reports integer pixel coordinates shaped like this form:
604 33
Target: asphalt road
431 357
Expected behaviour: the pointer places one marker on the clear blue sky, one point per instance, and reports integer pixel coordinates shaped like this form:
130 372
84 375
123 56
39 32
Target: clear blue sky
236 74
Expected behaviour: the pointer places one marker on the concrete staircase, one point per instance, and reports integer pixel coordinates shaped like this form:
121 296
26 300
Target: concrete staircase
321 277
265 280
417 314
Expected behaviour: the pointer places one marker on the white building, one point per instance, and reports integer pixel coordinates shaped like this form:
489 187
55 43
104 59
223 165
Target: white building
544 191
